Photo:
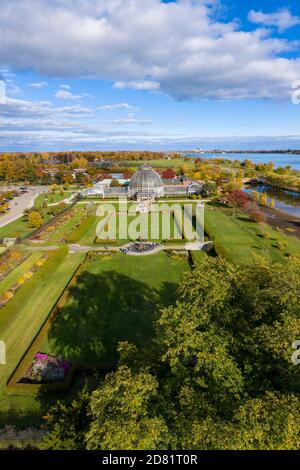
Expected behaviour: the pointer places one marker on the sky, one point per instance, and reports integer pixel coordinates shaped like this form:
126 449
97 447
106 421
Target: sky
149 74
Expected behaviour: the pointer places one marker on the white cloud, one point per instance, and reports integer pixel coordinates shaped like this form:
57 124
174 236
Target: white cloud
39 85
66 95
65 87
149 85
179 47
132 120
112 107
281 19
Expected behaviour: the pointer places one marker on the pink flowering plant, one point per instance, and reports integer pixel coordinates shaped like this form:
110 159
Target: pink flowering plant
47 369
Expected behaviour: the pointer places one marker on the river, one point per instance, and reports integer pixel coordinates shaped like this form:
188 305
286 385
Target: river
284 201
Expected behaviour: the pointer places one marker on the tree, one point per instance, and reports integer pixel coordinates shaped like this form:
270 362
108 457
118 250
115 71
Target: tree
169 173
115 183
218 374
35 219
238 199
68 423
123 413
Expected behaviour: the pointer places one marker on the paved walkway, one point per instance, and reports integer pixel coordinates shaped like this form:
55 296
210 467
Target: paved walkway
19 204
193 246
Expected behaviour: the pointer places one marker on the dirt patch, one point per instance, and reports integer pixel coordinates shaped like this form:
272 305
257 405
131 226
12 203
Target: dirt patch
286 222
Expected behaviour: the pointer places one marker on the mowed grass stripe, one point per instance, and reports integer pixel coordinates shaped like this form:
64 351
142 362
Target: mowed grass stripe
10 280
31 308
65 229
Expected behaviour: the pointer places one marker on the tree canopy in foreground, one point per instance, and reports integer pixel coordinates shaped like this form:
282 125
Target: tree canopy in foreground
218 375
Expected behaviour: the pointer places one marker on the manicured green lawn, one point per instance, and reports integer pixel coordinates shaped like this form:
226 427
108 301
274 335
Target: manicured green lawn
163 163
88 232
115 299
66 228
157 226
49 198
238 238
14 275
18 228
197 256
22 318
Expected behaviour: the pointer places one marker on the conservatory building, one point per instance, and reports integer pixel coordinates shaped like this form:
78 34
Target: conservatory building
146 184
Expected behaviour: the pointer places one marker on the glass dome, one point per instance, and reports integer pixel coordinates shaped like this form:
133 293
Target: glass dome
146 184
145 178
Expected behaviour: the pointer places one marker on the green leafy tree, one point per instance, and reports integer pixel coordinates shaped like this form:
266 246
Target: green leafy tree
218 374
123 413
68 424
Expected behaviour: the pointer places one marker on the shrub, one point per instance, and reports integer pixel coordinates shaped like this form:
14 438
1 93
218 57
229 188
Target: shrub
8 295
28 275
258 217
40 262
281 245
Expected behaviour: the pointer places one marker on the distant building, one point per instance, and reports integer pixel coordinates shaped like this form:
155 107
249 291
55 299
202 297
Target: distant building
52 161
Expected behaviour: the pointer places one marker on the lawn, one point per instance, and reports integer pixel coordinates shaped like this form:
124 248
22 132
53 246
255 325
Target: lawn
17 228
163 163
49 198
157 226
22 318
14 275
238 238
115 299
66 227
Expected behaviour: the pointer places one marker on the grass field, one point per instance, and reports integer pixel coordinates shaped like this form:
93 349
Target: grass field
159 225
66 228
163 163
14 275
49 198
22 317
115 299
238 238
18 228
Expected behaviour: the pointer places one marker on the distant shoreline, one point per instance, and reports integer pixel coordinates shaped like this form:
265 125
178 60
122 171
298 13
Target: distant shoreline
250 152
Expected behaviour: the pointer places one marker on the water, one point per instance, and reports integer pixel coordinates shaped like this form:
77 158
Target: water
279 160
284 201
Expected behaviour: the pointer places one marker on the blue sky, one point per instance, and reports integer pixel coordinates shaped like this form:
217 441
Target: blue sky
147 74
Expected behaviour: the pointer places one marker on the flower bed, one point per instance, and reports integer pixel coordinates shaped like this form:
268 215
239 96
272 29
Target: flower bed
42 233
11 260
8 295
46 369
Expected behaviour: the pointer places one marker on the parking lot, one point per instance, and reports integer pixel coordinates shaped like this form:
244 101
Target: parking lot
20 203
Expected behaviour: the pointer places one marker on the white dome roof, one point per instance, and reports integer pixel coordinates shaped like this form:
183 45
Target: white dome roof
145 178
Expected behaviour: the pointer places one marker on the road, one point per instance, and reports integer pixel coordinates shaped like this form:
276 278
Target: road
25 201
